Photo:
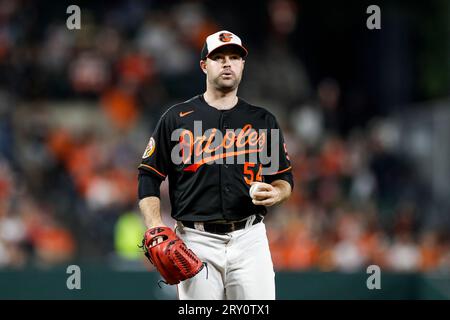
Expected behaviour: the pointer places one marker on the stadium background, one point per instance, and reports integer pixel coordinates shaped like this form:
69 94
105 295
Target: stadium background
365 113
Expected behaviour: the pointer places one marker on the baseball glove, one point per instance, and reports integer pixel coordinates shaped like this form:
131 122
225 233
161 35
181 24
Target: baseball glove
173 260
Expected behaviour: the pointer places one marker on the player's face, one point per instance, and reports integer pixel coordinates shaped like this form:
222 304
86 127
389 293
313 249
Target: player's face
224 68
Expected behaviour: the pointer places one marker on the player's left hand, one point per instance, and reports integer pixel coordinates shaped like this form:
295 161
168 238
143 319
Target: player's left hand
170 255
266 195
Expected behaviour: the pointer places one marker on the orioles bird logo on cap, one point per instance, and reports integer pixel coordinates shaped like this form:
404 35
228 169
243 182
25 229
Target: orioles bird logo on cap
225 37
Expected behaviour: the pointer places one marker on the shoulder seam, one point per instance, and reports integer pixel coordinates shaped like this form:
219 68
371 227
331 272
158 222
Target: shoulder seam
176 105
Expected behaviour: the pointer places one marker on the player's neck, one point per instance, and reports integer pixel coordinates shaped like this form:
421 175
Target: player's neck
221 100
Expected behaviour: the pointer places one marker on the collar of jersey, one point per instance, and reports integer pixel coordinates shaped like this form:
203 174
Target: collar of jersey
202 102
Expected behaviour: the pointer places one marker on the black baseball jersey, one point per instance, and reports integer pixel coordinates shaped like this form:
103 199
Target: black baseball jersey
211 157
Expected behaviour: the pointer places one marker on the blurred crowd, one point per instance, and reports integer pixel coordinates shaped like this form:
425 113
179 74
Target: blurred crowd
77 108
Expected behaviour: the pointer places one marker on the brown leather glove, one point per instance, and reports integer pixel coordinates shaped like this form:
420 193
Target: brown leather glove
174 261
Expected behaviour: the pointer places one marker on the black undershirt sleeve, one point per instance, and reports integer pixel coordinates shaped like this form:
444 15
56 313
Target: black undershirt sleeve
148 185
286 176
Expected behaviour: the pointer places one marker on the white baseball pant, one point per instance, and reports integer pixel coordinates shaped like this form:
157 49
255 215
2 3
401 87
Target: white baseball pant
239 265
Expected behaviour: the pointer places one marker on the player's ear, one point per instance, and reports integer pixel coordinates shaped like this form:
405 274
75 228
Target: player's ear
203 65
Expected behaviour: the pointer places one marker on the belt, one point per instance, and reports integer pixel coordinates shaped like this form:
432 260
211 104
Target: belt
221 227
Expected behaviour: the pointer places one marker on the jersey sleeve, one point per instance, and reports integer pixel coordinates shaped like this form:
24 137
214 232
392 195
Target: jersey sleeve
284 169
156 158
148 186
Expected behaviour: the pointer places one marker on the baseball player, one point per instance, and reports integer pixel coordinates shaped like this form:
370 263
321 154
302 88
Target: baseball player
214 148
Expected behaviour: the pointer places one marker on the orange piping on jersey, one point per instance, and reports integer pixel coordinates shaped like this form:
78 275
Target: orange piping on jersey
150 167
195 166
282 171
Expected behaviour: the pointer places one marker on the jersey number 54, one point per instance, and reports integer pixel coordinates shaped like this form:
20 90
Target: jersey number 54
249 172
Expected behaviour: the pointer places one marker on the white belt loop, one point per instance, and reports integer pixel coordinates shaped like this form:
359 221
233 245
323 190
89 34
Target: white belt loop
179 226
250 221
199 226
